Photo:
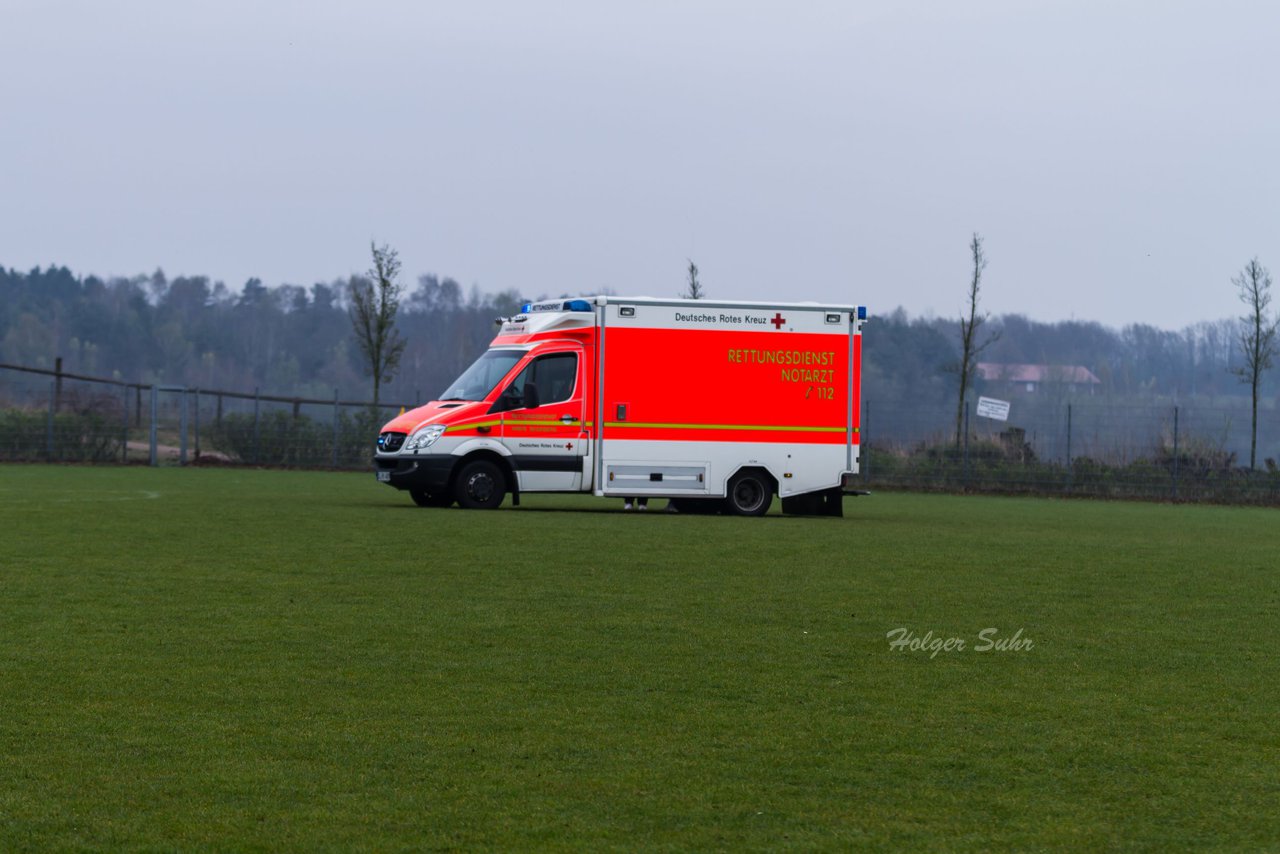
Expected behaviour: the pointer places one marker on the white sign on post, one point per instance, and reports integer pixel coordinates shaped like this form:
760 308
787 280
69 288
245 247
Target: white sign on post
989 407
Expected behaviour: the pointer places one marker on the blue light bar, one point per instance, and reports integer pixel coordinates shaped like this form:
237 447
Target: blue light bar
557 305
862 312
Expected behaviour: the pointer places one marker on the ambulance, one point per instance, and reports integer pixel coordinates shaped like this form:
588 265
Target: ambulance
716 406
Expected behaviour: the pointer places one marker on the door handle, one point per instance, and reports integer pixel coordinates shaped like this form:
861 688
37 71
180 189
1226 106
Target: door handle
567 419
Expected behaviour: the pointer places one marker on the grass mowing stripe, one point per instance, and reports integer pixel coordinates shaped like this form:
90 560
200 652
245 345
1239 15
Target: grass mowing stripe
303 660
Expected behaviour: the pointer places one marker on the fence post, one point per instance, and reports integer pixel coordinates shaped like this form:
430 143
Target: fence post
335 428
48 438
197 395
182 441
1070 472
155 415
965 478
1175 452
864 449
257 447
124 432
217 418
137 405
57 391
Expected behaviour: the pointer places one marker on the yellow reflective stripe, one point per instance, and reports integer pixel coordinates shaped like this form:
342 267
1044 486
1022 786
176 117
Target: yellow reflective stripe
517 422
540 424
781 428
660 425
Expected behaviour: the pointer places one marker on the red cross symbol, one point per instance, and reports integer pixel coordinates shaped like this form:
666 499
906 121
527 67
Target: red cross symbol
569 446
778 320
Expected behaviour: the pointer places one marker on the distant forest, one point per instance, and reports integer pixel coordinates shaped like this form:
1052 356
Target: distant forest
297 341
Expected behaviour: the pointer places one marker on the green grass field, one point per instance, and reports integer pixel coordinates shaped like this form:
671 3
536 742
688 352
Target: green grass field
234 659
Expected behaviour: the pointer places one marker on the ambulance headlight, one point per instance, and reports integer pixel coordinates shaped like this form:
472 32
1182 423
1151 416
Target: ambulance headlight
424 438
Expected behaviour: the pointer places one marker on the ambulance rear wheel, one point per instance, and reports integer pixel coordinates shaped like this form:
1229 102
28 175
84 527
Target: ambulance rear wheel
750 494
425 499
480 486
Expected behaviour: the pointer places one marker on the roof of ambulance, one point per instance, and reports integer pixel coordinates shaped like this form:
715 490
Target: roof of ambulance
711 303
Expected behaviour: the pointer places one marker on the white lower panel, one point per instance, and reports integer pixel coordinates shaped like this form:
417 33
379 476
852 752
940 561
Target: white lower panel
682 479
550 481
797 468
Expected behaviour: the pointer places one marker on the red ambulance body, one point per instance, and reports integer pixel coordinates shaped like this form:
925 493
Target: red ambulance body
717 406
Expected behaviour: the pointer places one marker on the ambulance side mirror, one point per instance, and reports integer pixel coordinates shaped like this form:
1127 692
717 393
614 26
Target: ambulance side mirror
530 395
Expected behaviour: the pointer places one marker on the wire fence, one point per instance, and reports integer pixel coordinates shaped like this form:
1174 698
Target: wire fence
52 416
1089 447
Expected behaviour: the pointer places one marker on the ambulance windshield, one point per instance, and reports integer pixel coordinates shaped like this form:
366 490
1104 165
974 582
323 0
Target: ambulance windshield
486 372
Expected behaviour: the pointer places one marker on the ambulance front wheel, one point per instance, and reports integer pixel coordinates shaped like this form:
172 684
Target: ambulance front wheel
480 486
750 494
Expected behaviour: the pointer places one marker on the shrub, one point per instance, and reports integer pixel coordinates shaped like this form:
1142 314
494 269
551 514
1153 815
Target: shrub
287 440
77 436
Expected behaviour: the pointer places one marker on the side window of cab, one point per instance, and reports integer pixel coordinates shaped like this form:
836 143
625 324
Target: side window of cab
547 379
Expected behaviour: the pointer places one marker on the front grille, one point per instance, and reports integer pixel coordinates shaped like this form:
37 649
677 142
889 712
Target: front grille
391 442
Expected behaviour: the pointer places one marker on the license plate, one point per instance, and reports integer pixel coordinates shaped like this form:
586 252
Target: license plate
384 477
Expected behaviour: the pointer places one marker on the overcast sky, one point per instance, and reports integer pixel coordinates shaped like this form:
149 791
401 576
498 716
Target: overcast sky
1121 159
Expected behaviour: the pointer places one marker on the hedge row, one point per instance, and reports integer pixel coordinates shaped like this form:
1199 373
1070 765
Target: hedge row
283 439
996 468
76 437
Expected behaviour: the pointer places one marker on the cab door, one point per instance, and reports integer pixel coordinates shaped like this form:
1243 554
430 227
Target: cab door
543 412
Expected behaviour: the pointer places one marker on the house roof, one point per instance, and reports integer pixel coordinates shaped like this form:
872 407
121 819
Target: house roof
1037 373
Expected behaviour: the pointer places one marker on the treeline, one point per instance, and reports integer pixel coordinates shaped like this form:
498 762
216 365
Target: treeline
294 340
908 359
188 331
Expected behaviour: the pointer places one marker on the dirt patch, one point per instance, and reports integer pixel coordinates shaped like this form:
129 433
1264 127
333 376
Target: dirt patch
169 452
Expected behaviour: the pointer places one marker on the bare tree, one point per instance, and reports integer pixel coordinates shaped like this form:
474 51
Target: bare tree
375 299
1257 337
693 290
971 343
